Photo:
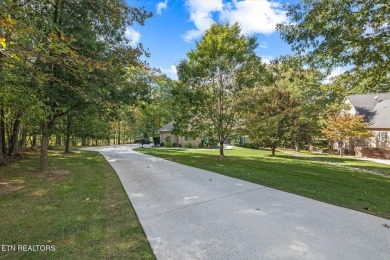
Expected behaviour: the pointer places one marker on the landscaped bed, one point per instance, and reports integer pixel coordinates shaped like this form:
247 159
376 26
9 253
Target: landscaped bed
78 207
317 180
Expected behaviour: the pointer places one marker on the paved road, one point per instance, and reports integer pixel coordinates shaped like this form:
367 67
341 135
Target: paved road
188 213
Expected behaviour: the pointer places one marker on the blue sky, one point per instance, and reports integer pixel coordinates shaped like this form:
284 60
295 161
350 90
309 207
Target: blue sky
177 24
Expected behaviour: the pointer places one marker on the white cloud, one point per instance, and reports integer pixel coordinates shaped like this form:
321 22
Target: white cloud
336 72
133 36
263 45
267 59
161 6
201 15
254 16
173 69
171 72
191 35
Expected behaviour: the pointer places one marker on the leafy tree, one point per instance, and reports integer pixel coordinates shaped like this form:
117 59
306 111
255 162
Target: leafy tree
343 33
341 127
213 78
76 51
271 117
304 84
158 108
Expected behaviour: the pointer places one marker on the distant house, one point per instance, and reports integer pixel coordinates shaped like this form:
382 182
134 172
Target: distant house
375 109
177 140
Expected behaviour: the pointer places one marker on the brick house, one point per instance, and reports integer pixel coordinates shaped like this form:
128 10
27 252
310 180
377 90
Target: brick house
182 141
375 109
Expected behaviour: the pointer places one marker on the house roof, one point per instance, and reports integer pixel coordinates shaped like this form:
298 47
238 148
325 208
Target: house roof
380 116
374 107
167 128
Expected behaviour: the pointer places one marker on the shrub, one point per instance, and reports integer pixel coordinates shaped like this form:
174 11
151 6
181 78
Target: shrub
189 145
247 145
174 144
162 144
210 142
156 140
168 144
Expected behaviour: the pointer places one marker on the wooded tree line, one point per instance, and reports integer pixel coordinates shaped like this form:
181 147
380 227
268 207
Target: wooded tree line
66 68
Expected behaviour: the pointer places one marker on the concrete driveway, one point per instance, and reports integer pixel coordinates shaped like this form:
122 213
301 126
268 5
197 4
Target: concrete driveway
188 213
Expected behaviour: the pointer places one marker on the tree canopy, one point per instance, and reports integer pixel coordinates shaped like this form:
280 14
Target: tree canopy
271 117
348 33
343 127
66 56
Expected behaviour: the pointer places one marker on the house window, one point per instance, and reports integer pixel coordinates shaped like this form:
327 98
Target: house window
384 137
186 138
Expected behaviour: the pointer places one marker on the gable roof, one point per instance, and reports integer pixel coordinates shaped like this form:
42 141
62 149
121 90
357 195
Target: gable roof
167 128
374 107
380 116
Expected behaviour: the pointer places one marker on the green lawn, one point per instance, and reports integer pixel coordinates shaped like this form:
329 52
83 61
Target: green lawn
350 161
79 206
344 187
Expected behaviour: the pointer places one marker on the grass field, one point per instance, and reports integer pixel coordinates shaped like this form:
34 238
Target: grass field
339 186
349 161
78 206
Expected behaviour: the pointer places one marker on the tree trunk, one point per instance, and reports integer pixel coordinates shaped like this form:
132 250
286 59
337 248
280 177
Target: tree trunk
74 141
68 132
23 141
296 146
2 161
34 143
58 140
221 149
43 164
119 132
14 144
273 150
2 131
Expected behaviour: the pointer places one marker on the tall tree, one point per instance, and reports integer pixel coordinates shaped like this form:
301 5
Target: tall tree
212 79
304 84
343 33
76 49
271 117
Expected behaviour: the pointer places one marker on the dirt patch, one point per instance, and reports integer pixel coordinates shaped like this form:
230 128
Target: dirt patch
40 192
6 188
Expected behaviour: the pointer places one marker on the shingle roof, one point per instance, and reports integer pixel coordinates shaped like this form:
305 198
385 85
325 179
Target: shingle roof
374 107
167 128
380 116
